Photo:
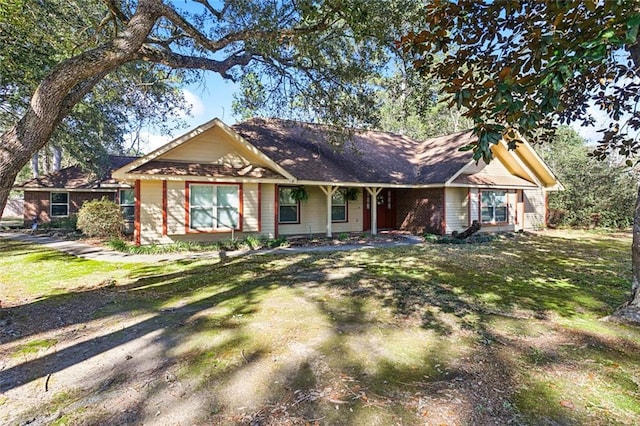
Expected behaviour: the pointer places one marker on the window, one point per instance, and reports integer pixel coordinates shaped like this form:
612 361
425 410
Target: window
289 208
338 207
214 207
493 206
59 204
127 204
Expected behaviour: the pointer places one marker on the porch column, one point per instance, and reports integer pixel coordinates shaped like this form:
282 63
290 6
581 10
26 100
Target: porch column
373 192
329 191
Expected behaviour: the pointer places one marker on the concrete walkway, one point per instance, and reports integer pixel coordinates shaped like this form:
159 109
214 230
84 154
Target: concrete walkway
87 251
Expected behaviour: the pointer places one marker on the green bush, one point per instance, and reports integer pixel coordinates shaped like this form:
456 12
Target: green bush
100 218
253 242
70 223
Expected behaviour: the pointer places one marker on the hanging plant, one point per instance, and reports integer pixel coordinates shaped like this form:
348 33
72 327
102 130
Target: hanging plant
351 194
299 193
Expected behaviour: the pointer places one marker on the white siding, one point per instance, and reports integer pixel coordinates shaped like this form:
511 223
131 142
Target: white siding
212 146
512 199
534 208
313 216
494 168
457 209
176 208
250 213
474 200
267 222
151 213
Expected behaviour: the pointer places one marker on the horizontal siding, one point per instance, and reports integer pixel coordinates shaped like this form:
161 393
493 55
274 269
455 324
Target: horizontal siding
313 216
212 146
457 209
494 168
151 213
267 215
175 208
504 227
250 213
534 208
474 201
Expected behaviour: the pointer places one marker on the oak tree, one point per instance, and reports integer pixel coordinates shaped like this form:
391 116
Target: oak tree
35 36
317 52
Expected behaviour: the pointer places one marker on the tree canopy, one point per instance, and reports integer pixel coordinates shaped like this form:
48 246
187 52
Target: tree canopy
35 36
318 54
531 65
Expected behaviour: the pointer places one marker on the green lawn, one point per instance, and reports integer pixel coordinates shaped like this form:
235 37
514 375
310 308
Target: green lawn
506 331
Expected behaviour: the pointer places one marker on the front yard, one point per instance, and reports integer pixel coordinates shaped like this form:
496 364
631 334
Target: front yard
495 333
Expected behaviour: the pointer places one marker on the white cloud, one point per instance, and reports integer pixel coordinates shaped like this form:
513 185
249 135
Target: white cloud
149 141
197 106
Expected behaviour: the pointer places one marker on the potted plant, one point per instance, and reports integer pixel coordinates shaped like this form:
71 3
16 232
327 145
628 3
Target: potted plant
351 194
299 193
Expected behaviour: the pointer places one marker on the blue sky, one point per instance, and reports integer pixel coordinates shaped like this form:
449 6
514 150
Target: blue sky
209 100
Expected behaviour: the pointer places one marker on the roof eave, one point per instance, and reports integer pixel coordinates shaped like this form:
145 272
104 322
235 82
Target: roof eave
146 177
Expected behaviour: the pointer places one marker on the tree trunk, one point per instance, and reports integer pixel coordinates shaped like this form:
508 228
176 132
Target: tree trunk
629 312
635 257
61 90
57 158
35 167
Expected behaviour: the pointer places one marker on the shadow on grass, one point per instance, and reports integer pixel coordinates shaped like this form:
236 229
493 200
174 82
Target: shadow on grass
145 294
407 329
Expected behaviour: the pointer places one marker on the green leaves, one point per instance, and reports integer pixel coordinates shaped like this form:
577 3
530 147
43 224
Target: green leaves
536 65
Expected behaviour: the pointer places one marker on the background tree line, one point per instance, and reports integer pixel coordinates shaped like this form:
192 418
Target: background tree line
596 193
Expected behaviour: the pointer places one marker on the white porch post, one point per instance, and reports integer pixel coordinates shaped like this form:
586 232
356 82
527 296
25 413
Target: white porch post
373 192
329 191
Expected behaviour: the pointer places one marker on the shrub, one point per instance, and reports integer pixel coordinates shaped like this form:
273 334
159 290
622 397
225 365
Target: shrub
100 218
431 238
253 242
69 223
281 241
118 245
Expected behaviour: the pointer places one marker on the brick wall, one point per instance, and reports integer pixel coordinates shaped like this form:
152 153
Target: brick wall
77 198
420 210
37 203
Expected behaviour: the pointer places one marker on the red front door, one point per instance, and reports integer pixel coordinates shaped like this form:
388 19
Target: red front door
385 205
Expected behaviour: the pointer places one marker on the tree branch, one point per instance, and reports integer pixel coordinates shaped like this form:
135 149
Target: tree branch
175 60
219 14
249 34
76 94
115 11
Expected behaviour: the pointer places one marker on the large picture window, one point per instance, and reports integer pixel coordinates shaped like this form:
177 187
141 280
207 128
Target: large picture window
214 207
493 206
59 204
338 207
289 208
127 204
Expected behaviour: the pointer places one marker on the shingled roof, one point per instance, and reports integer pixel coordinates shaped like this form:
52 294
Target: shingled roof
368 157
74 178
179 168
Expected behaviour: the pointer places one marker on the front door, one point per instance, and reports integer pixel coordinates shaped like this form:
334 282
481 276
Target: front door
385 205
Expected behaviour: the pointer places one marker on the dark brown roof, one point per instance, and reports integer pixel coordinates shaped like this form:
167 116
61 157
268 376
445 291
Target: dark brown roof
159 167
368 157
74 178
486 179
